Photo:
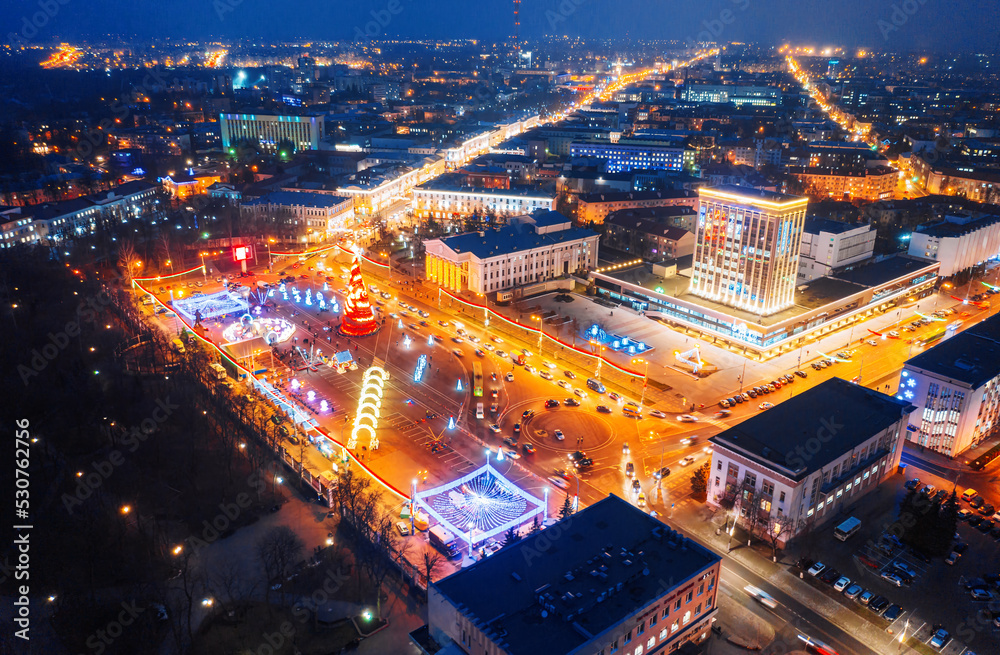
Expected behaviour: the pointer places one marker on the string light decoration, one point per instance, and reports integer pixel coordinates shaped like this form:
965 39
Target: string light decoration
358 321
369 408
491 503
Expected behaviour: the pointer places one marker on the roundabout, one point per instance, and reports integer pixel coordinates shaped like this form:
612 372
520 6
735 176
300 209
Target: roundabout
575 422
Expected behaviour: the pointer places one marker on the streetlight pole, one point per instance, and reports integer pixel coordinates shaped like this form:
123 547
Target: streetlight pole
645 380
539 319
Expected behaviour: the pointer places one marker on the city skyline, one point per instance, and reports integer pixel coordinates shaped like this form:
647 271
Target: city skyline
914 25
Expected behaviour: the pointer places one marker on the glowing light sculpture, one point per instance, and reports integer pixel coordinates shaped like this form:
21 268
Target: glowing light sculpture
369 407
692 358
358 321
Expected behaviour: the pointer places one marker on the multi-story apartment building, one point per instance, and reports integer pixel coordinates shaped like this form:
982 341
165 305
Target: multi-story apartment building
444 198
871 184
974 183
51 222
530 249
650 239
747 248
304 131
809 459
303 216
610 579
960 241
637 154
594 207
955 387
828 245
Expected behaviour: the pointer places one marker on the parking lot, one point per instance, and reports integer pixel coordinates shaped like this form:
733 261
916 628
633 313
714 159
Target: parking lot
930 595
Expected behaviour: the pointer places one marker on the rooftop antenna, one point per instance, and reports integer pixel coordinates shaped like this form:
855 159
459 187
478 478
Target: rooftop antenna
517 33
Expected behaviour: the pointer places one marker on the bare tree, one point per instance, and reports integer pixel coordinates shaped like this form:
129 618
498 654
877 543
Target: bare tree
432 560
777 526
127 260
278 550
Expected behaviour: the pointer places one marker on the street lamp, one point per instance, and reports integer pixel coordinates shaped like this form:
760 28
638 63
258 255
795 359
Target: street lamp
539 319
645 379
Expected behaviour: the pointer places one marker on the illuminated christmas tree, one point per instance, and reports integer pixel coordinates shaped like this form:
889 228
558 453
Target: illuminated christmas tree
358 321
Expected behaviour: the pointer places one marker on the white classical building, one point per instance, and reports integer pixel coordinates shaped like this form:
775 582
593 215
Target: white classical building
445 198
304 216
828 245
955 387
530 249
959 242
809 459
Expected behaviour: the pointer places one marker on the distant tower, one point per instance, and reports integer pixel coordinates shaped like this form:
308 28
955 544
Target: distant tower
517 33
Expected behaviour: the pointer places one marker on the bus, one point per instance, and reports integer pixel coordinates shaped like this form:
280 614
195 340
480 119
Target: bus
847 529
477 379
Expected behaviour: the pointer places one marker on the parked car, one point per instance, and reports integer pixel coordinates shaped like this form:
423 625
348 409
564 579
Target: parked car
878 604
892 579
403 528
981 595
817 568
865 597
912 484
940 639
829 576
892 612
841 583
853 591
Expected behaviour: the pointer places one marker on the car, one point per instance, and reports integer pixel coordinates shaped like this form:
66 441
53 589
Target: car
457 352
657 413
865 597
987 510
724 404
501 354
981 595
473 338
517 428
940 496
893 334
509 377
550 403
489 346
510 441
841 583
629 469
494 408
558 434
801 374
975 520
753 394
480 353
816 569
512 454
549 365
892 612
494 427
580 392
564 384
444 323
976 502
952 558
986 525
940 639
688 441
572 402
928 489
545 375
577 455
892 578
526 414
403 528
570 374
531 369
687 418
641 500
528 449
902 567
661 473
960 547
586 462
636 487
878 604
613 396
829 576
853 591
559 482
604 409
687 461
912 484
765 406
720 414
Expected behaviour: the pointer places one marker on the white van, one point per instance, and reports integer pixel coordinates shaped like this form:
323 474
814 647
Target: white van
969 494
479 411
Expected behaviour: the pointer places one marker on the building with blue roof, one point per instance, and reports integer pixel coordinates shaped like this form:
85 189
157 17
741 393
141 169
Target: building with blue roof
530 249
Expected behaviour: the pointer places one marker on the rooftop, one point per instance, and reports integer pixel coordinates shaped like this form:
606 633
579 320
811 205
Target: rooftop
753 195
878 272
556 590
971 356
516 237
633 196
947 228
816 225
840 413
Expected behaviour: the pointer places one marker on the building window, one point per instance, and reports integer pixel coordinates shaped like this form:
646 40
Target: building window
689 597
673 627
641 629
651 643
614 646
663 634
628 637
781 498
687 618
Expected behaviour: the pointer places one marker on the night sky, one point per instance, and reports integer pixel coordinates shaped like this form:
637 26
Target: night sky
940 25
